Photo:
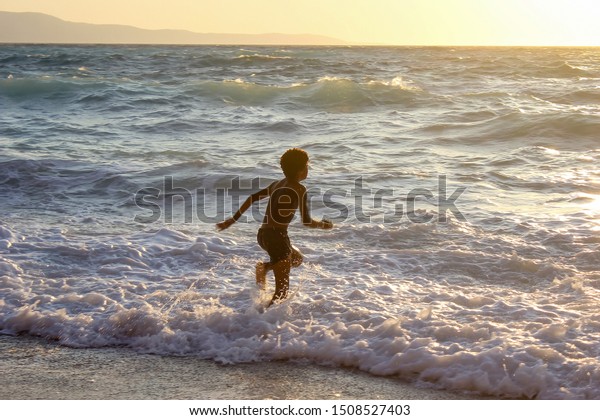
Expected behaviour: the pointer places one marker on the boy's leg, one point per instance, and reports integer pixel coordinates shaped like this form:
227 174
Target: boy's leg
261 273
296 257
281 269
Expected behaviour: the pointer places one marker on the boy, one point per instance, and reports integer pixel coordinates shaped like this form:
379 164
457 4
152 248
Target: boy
285 196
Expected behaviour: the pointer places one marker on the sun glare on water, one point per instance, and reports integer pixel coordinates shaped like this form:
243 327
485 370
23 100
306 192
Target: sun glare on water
594 206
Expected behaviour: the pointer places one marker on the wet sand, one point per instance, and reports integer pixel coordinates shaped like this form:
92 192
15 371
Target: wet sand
34 368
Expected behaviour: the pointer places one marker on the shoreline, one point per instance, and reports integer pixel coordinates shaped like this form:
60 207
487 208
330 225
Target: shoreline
35 369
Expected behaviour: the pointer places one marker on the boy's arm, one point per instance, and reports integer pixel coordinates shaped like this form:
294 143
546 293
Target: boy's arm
305 214
245 206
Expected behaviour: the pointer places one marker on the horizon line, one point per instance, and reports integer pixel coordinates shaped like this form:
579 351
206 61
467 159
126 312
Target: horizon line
349 45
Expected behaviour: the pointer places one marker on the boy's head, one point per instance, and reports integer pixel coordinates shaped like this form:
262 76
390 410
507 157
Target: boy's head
293 162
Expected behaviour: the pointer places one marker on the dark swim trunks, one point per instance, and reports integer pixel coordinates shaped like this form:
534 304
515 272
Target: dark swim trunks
276 242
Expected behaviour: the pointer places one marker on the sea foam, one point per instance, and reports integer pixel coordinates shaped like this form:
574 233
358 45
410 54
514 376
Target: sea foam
497 296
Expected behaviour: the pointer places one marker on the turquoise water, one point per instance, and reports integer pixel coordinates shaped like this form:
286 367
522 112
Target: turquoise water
463 183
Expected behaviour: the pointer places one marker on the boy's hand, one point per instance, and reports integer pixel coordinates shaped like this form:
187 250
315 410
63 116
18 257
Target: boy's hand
225 224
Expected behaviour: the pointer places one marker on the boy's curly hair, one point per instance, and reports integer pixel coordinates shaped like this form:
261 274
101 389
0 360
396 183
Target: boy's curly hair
293 161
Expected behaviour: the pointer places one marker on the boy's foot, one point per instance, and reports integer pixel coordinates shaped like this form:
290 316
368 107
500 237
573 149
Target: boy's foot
261 275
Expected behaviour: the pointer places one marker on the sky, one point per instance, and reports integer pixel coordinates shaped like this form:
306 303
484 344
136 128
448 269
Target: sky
388 22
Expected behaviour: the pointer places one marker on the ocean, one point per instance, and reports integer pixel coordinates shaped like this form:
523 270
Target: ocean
463 183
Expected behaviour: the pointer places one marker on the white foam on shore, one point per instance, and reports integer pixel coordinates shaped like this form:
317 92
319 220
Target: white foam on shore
391 311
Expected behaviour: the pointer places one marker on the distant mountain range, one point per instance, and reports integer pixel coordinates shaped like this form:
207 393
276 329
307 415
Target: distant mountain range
45 29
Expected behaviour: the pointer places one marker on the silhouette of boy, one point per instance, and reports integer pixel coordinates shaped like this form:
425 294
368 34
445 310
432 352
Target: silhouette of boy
285 196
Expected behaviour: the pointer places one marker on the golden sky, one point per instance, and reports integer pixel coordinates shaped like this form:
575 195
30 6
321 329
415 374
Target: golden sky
397 22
